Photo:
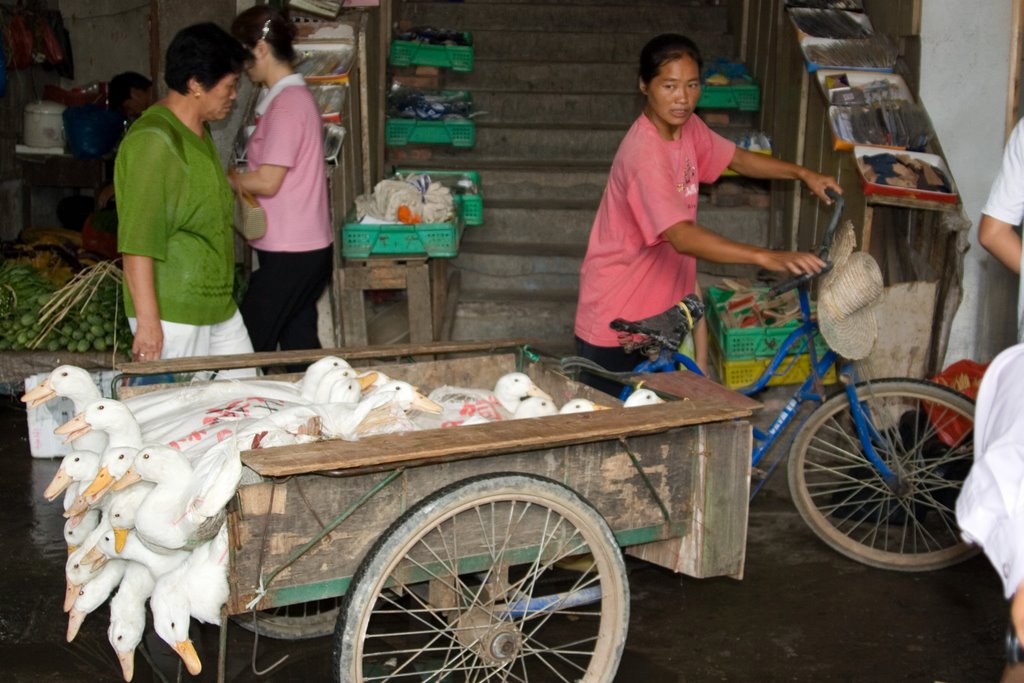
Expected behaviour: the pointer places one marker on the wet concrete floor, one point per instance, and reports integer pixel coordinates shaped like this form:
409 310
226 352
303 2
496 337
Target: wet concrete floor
801 613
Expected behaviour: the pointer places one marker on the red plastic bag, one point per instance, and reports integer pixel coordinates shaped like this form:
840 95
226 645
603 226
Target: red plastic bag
963 376
19 40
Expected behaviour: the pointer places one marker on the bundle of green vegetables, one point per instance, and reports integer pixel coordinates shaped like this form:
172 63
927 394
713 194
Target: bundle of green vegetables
86 314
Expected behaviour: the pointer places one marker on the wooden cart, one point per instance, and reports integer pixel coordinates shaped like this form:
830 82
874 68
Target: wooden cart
449 554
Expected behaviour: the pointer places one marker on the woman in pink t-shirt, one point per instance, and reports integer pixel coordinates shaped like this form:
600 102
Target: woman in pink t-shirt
285 160
645 241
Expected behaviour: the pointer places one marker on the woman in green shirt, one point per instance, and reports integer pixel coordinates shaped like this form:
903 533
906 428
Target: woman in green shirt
175 207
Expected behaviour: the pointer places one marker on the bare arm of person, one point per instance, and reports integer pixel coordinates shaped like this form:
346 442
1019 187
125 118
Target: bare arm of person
689 238
755 165
1001 240
265 181
149 335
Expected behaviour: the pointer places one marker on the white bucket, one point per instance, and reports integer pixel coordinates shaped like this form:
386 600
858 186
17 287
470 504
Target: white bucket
44 124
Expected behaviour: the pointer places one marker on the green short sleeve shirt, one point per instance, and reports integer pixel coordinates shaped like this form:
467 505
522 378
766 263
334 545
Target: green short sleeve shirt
175 206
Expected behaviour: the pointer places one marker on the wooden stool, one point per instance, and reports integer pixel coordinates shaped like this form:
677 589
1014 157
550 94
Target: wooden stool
423 279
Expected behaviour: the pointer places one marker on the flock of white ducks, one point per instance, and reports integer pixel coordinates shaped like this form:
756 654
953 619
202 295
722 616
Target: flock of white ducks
144 492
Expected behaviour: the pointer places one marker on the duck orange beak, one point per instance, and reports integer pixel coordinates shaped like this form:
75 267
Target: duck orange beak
120 538
60 481
72 548
187 652
77 508
127 479
366 381
95 558
74 428
421 402
38 395
99 485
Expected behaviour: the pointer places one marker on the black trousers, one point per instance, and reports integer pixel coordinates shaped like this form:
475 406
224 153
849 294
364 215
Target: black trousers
279 307
612 358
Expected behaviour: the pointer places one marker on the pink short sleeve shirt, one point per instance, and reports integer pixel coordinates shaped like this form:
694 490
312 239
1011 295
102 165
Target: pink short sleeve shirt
630 271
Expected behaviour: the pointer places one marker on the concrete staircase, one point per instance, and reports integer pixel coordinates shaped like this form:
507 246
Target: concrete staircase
555 86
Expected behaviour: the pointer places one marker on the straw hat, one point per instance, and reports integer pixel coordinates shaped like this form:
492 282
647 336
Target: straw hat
847 298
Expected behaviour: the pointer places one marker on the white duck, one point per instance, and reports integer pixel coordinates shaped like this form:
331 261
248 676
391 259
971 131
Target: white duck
314 374
185 497
534 406
78 572
382 410
134 550
77 470
78 528
338 385
114 462
513 387
105 415
94 593
580 405
642 397
77 385
128 615
197 589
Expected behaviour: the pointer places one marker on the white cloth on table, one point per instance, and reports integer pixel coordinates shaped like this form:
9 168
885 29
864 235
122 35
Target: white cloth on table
990 508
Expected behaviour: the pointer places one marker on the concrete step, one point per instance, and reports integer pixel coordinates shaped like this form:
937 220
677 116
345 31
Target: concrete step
534 76
509 106
515 269
559 222
547 316
565 46
593 108
592 144
546 16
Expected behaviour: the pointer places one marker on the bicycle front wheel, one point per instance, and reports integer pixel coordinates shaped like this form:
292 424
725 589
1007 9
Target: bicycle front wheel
924 433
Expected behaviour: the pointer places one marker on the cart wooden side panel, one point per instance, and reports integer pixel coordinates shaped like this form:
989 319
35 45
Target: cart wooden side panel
683 505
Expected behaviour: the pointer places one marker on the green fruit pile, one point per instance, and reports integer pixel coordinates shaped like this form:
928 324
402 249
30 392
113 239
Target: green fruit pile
85 315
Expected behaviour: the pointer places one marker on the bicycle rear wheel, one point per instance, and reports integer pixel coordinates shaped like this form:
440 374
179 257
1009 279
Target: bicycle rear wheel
924 433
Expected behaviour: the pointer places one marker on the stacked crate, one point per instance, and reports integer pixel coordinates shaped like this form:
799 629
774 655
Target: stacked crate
746 329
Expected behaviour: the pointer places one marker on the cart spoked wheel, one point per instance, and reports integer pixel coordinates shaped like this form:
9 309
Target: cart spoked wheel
502 577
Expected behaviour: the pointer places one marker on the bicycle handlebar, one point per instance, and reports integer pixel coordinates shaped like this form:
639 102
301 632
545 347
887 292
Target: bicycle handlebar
826 244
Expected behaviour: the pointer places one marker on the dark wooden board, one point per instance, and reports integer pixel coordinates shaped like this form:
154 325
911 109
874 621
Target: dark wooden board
245 360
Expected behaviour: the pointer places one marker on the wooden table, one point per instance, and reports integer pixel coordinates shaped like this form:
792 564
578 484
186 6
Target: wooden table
423 279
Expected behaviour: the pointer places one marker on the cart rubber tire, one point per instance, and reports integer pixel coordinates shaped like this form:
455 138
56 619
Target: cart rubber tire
928 430
295 622
515 537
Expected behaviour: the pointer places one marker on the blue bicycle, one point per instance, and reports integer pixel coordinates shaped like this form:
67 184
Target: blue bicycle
876 468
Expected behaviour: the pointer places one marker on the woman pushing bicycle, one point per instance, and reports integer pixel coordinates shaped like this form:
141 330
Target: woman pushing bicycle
644 244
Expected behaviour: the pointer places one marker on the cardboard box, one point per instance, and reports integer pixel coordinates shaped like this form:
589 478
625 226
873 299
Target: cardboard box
42 442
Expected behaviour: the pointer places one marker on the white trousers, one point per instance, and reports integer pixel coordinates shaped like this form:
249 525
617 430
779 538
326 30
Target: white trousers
228 337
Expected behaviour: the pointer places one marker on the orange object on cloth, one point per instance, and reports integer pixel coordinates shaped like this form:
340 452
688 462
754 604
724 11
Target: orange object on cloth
405 215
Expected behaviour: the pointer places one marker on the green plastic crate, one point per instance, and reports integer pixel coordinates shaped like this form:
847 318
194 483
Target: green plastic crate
750 343
436 240
455 132
454 57
742 96
472 205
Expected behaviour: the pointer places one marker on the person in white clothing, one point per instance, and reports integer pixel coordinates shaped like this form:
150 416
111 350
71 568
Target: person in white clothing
990 508
1004 211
